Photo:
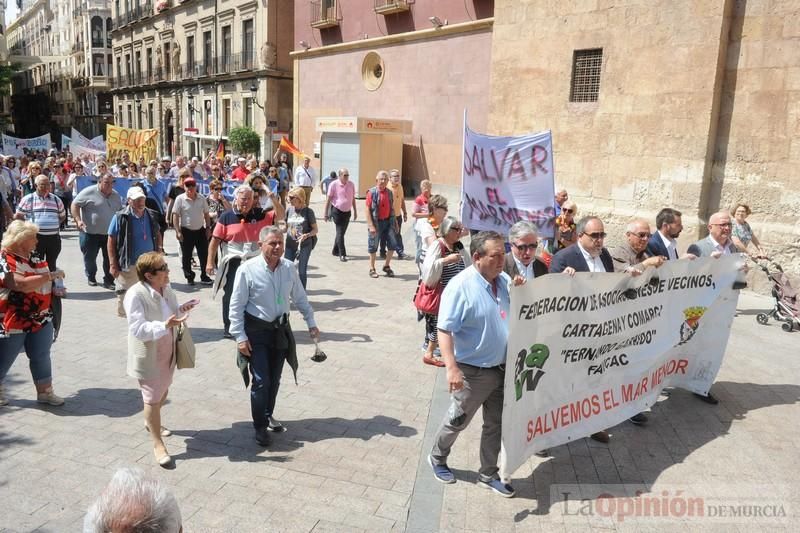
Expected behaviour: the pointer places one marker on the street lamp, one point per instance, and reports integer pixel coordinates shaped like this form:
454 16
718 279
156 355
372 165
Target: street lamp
254 93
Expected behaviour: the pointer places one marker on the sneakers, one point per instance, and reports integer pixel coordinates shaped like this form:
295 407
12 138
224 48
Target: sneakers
3 400
205 280
92 282
274 425
49 397
442 472
503 489
227 334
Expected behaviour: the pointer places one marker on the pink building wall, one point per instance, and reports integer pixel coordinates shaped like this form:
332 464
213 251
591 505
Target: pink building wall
428 81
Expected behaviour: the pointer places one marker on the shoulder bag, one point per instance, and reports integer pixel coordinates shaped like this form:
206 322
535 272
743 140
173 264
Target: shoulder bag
427 299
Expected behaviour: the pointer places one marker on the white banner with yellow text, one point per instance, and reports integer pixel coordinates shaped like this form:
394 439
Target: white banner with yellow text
588 352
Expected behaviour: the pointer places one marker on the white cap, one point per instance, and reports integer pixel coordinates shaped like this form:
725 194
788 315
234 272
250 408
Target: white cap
134 193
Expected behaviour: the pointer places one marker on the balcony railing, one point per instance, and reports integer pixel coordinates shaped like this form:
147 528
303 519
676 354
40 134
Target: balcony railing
144 10
220 65
390 7
325 14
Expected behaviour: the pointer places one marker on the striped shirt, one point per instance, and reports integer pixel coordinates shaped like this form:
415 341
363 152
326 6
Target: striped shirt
46 212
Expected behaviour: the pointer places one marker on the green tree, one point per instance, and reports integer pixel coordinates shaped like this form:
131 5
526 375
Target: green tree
7 73
244 140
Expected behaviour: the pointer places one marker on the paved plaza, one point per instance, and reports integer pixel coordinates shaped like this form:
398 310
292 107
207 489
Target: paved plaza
360 425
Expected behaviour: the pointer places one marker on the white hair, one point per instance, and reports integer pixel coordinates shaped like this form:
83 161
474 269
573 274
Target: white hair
132 502
521 229
631 227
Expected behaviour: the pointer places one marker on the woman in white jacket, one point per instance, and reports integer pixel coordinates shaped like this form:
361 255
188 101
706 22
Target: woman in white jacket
444 259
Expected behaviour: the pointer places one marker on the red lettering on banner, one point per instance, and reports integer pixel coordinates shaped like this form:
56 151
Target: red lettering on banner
505 164
672 366
493 195
538 156
607 400
517 169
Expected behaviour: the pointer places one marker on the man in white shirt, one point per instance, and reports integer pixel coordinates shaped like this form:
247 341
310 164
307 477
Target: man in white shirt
305 176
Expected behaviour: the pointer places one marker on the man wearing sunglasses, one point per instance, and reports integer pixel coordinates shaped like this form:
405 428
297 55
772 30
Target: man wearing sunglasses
633 254
587 255
521 264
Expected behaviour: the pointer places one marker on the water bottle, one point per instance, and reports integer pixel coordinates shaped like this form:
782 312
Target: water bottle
59 289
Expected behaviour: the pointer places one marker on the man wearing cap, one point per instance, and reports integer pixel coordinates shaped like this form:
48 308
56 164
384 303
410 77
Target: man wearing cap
305 176
133 231
93 209
241 172
192 223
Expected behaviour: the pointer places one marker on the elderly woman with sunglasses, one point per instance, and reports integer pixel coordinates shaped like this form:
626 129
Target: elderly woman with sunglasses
217 204
301 231
444 259
152 310
565 226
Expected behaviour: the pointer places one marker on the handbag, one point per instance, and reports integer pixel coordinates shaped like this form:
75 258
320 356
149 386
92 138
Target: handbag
184 347
427 299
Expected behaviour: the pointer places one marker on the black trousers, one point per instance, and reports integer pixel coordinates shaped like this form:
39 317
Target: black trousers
193 239
341 220
48 248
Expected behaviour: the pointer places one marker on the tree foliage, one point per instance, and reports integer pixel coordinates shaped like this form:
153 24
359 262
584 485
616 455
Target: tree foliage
244 140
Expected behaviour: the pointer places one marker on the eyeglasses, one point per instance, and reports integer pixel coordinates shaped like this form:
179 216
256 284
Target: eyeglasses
641 234
525 247
726 225
162 268
455 228
568 210
596 235
216 188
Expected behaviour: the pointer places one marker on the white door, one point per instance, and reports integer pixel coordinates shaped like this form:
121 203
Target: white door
340 150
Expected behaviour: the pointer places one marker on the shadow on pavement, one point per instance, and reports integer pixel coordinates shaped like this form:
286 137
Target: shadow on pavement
237 443
91 296
696 423
318 429
323 292
302 337
114 403
342 304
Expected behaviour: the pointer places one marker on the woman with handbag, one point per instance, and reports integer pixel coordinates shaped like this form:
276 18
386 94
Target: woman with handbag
153 317
444 259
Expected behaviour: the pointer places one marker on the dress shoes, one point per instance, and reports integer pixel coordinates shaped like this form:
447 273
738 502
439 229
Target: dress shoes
262 437
600 436
711 399
164 431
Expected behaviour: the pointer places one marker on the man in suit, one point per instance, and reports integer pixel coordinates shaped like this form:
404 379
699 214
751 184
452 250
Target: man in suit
521 264
717 244
588 254
664 241
633 255
719 241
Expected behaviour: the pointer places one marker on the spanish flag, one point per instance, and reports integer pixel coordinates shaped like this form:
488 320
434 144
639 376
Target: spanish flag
221 150
287 146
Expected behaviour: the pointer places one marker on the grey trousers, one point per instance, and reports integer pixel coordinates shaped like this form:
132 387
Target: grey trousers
482 387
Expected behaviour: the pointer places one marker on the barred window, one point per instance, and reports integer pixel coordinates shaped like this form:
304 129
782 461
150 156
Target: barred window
586 65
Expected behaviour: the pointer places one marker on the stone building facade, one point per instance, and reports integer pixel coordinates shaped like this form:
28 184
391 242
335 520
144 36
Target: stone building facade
195 69
696 106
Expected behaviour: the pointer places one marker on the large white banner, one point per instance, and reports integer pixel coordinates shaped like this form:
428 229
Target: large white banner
95 144
588 352
15 145
507 179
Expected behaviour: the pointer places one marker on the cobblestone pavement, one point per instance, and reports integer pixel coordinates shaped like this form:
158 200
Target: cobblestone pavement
359 424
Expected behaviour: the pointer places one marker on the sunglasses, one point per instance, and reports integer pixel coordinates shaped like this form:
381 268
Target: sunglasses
596 235
216 188
642 235
568 210
162 268
525 247
455 228
293 198
190 185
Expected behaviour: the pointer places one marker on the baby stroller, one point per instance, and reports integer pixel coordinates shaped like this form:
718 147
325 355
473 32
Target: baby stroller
786 304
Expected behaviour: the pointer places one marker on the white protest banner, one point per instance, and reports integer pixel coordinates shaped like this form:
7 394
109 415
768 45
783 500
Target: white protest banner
507 179
15 145
79 151
588 352
81 140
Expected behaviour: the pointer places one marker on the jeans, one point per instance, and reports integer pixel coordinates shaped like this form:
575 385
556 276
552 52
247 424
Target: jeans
304 255
193 239
341 219
266 366
48 248
397 235
233 266
37 347
90 244
384 229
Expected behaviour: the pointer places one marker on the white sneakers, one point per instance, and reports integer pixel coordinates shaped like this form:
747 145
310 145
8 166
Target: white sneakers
49 397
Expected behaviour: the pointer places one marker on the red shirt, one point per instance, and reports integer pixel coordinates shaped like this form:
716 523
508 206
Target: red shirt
23 312
384 206
240 174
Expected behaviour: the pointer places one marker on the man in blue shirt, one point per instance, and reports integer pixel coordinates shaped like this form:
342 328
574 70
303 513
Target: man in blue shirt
473 334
